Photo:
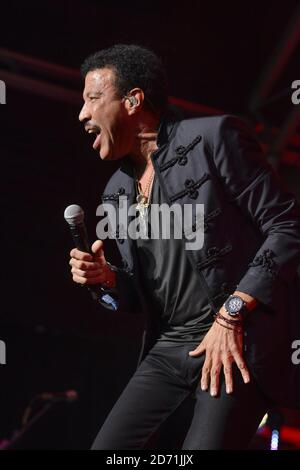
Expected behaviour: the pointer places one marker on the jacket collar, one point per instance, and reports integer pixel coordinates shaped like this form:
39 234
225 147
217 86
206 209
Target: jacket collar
166 130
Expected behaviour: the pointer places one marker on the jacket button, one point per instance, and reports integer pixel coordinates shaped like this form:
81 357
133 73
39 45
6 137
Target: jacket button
180 150
120 191
182 160
193 194
212 251
188 183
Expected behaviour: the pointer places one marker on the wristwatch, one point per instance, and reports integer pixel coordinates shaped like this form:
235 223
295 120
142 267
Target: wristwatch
235 305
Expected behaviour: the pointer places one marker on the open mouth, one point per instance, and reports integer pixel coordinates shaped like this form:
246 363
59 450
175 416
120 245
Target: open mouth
96 131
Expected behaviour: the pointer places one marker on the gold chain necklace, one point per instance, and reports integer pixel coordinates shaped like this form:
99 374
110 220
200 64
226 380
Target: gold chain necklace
142 200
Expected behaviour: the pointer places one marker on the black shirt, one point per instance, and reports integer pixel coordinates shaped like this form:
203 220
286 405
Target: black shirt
171 284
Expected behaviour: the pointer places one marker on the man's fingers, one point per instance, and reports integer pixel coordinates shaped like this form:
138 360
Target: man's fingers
97 246
241 365
84 265
87 281
80 255
227 367
87 257
215 378
198 351
205 375
100 259
87 274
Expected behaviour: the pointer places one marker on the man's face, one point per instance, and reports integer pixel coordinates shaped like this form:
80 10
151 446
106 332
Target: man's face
104 114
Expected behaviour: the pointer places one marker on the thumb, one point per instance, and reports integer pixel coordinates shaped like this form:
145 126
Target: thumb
97 249
198 350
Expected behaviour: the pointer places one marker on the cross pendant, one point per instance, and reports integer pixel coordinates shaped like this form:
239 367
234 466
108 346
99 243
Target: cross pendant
142 206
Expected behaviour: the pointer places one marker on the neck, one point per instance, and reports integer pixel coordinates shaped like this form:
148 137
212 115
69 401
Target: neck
145 143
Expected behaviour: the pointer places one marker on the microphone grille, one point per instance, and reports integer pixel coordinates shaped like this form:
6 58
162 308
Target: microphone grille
74 214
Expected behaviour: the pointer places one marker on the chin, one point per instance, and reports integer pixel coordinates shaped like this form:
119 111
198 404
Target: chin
109 155
102 156
106 156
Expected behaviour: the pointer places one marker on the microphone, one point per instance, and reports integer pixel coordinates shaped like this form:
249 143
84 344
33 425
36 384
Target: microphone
69 396
74 216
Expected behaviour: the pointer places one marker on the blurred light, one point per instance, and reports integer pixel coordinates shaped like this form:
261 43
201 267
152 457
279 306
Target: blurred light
263 421
275 439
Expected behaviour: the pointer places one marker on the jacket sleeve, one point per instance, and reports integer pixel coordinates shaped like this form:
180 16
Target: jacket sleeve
123 297
255 188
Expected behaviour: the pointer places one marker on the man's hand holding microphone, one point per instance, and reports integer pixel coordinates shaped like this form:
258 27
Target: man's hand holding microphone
89 266
91 269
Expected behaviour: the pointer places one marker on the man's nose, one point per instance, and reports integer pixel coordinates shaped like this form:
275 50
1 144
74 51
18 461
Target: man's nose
84 114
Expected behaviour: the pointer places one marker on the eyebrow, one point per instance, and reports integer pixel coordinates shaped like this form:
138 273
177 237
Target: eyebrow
89 93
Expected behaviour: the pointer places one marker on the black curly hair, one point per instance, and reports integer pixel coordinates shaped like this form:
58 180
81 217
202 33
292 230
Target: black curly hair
134 66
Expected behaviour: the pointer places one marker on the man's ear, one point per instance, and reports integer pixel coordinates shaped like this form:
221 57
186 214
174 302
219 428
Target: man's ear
134 100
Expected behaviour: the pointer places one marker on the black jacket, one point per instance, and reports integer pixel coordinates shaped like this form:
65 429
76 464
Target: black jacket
251 242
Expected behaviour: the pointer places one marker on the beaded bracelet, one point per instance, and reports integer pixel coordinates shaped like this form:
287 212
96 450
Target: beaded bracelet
238 331
227 320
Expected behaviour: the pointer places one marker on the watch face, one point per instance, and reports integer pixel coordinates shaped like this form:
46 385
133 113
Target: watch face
235 304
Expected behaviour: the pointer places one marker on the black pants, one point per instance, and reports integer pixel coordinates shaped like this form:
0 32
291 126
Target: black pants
166 377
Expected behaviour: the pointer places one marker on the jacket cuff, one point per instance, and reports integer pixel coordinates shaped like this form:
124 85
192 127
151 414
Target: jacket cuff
262 286
124 293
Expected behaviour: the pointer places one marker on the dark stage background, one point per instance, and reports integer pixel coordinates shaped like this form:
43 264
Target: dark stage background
56 338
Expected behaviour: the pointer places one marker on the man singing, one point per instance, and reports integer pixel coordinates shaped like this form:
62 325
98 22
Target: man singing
218 318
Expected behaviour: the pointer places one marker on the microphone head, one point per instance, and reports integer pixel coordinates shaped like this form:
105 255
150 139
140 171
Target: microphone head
74 215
